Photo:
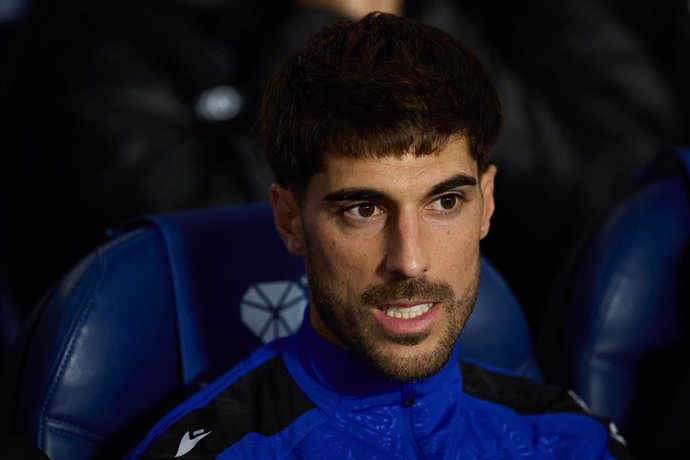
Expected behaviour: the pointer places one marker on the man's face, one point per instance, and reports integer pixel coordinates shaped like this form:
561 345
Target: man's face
392 253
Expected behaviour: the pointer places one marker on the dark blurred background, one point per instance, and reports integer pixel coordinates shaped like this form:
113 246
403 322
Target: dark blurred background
111 109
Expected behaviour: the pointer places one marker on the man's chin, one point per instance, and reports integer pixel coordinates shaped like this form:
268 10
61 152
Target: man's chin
406 362
410 340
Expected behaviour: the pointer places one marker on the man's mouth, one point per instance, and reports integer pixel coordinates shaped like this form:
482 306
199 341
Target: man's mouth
407 317
408 312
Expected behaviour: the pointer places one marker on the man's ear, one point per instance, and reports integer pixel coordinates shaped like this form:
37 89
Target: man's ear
287 218
487 185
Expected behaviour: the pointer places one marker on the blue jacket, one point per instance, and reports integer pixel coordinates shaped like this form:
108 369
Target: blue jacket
302 397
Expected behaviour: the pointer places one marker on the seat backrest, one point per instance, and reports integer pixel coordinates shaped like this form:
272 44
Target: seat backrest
624 310
170 303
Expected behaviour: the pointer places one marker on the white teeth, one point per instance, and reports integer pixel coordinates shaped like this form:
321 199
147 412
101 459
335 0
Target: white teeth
407 312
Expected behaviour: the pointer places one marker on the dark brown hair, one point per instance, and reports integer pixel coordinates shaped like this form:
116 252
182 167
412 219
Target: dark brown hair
383 85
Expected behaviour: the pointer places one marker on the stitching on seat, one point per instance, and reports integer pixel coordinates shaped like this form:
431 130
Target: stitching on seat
86 435
68 352
616 280
169 245
613 283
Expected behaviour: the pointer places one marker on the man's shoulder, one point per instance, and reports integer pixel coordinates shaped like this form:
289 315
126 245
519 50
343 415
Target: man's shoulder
555 405
521 394
258 396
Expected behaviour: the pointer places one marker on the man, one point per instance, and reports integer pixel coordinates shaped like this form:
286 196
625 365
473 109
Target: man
378 133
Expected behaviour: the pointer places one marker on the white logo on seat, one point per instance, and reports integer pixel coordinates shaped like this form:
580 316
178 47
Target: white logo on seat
273 309
189 441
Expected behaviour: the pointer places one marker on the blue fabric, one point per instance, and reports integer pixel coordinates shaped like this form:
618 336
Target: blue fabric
360 415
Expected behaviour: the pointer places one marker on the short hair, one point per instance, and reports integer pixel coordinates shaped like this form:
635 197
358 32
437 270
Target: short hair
383 85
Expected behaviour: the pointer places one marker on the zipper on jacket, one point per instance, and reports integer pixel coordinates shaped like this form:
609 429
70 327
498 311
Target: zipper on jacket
408 401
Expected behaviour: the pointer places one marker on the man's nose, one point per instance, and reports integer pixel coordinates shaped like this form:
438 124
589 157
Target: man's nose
406 251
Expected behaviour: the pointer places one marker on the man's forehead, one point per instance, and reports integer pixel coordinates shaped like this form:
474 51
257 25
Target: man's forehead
453 159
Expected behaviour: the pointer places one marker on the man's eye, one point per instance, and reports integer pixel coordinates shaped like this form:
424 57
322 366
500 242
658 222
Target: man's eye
446 202
363 211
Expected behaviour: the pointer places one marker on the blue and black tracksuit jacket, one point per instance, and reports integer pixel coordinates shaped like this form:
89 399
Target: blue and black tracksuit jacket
302 397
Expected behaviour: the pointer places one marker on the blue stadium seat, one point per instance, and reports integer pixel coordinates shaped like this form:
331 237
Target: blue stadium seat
171 302
626 310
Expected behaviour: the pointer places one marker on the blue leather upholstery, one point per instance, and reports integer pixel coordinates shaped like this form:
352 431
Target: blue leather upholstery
625 297
170 303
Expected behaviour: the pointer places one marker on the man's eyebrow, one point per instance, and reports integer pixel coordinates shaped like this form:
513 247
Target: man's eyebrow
370 194
459 180
354 194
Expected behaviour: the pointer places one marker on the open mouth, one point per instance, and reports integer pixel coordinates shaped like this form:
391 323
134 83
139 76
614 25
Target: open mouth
408 317
411 312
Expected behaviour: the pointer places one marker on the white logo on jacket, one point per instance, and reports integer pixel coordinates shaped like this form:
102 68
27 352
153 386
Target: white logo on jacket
189 441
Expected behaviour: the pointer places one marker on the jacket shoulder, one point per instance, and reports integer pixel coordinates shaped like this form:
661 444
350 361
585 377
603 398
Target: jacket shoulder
263 400
527 397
